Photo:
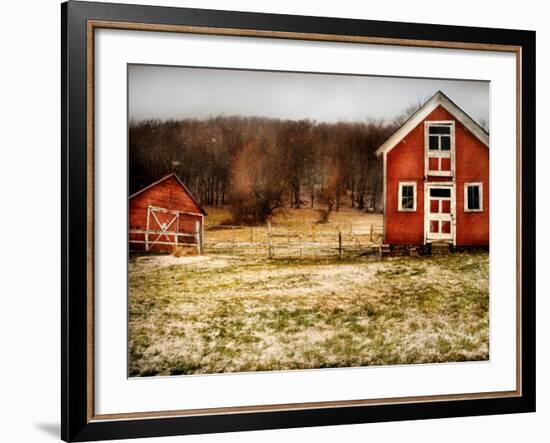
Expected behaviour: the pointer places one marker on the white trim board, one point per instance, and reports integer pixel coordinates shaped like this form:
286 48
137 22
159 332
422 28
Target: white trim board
438 99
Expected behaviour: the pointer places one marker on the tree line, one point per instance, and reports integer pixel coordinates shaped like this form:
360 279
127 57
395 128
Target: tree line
256 165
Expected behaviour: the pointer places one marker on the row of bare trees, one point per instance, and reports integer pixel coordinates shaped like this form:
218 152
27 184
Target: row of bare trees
257 165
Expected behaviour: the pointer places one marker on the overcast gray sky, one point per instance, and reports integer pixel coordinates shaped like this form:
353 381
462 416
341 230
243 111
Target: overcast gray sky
162 92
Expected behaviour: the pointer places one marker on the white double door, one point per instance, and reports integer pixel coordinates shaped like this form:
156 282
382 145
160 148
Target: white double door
439 212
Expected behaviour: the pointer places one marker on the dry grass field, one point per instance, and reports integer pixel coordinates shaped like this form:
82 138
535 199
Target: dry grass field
223 312
296 233
302 218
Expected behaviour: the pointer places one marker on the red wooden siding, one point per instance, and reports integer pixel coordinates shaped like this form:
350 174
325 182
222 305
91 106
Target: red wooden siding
405 163
170 195
472 165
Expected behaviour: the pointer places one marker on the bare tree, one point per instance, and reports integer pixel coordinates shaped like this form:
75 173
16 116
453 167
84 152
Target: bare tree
282 161
257 185
328 192
410 109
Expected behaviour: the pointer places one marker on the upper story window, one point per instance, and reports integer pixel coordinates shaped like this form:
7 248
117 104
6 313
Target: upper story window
439 137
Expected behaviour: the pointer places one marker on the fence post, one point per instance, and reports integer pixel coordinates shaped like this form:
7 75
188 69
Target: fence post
339 244
202 233
147 229
300 240
269 241
251 235
312 233
198 237
372 231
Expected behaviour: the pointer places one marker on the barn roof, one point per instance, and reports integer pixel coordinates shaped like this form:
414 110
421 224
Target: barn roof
438 99
173 174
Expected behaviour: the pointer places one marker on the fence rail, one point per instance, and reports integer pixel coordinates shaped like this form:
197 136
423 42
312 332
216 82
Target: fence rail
339 240
155 237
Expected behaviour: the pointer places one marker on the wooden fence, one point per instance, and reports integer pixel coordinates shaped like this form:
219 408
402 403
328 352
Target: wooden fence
340 240
166 236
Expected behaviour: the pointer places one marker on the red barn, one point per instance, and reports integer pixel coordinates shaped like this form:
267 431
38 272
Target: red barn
436 178
164 215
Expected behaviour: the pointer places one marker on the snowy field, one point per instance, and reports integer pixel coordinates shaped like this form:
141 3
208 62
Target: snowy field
235 313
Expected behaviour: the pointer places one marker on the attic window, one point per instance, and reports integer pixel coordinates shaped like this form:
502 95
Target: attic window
439 147
439 137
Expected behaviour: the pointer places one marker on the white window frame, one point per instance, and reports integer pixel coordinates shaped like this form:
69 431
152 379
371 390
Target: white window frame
400 208
439 154
480 186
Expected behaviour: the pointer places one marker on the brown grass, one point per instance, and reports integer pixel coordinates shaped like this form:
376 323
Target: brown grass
317 239
184 251
217 215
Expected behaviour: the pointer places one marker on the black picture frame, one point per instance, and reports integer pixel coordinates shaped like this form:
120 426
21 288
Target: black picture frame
76 423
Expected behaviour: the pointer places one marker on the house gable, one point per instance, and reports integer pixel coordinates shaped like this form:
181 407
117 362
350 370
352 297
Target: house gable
437 100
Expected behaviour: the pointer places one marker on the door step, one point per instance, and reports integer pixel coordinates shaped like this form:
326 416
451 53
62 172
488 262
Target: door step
398 251
436 248
441 248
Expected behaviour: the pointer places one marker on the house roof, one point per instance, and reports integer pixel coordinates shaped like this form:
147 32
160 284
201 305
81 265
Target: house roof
438 99
166 177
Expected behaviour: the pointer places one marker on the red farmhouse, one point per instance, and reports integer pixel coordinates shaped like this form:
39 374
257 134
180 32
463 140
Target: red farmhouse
436 178
164 215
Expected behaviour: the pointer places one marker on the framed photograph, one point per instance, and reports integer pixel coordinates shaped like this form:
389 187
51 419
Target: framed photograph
277 221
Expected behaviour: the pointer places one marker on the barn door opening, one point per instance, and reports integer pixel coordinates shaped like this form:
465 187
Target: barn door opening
439 213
